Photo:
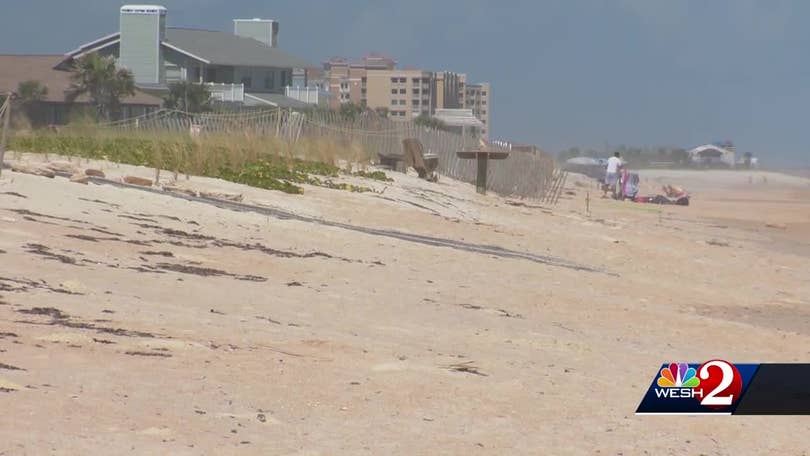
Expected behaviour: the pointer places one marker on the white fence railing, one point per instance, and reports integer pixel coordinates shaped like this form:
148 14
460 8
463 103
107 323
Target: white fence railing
309 95
226 92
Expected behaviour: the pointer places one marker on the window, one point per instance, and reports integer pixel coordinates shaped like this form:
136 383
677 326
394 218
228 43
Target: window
211 75
484 93
248 82
416 80
363 79
394 80
401 102
484 102
403 80
173 73
363 91
393 102
402 91
416 91
283 79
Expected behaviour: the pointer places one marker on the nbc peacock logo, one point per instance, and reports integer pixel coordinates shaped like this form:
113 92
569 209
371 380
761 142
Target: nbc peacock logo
712 387
678 380
678 375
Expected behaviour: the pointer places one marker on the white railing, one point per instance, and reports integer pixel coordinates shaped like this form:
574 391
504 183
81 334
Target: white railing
226 92
309 95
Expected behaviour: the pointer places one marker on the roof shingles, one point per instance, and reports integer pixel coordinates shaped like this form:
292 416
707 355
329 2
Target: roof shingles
221 48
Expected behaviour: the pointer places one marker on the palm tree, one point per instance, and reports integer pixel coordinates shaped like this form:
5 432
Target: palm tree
189 97
31 91
98 78
29 95
425 120
350 110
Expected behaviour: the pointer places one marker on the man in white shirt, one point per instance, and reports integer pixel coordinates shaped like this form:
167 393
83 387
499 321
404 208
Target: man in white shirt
612 174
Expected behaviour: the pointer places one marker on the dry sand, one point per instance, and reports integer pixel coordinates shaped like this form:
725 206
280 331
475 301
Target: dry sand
138 323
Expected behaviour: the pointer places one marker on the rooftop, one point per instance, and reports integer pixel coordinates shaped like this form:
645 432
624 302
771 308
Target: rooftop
458 118
144 9
223 48
273 99
15 69
211 47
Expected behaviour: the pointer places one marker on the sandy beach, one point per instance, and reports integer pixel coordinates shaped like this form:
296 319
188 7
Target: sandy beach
417 319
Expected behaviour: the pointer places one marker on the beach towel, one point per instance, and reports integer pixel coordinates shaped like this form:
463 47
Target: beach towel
630 185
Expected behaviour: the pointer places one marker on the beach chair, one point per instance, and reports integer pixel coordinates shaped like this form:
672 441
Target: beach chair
415 157
394 162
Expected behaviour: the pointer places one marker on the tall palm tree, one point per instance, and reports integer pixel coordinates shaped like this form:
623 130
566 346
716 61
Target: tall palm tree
98 78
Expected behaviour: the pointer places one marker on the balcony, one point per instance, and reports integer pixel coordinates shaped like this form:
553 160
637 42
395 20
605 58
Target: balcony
224 92
312 95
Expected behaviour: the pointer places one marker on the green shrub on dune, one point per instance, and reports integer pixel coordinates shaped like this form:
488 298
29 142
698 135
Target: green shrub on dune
251 162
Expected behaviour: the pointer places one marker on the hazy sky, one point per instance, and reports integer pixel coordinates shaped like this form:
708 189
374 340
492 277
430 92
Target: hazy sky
566 72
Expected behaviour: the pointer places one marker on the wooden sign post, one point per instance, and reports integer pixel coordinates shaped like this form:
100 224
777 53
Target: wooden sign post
6 111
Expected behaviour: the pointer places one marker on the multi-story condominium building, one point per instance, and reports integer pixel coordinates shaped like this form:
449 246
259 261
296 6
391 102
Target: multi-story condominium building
476 97
405 94
448 90
347 81
375 82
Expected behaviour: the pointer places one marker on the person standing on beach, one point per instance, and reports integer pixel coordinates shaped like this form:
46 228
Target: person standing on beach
612 174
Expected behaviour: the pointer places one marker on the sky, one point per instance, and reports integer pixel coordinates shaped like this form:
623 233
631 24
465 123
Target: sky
587 73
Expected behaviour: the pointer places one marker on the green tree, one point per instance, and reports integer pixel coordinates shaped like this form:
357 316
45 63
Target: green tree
425 120
31 91
30 95
189 97
350 110
98 78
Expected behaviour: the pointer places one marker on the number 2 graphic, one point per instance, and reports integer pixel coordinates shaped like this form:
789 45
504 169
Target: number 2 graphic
728 376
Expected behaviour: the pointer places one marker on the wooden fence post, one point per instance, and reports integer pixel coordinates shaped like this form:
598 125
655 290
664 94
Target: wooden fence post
6 118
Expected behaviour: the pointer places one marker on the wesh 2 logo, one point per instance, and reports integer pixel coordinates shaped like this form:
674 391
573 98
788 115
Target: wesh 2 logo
693 388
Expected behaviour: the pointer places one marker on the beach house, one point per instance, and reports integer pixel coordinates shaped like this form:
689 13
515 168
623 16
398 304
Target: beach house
243 67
